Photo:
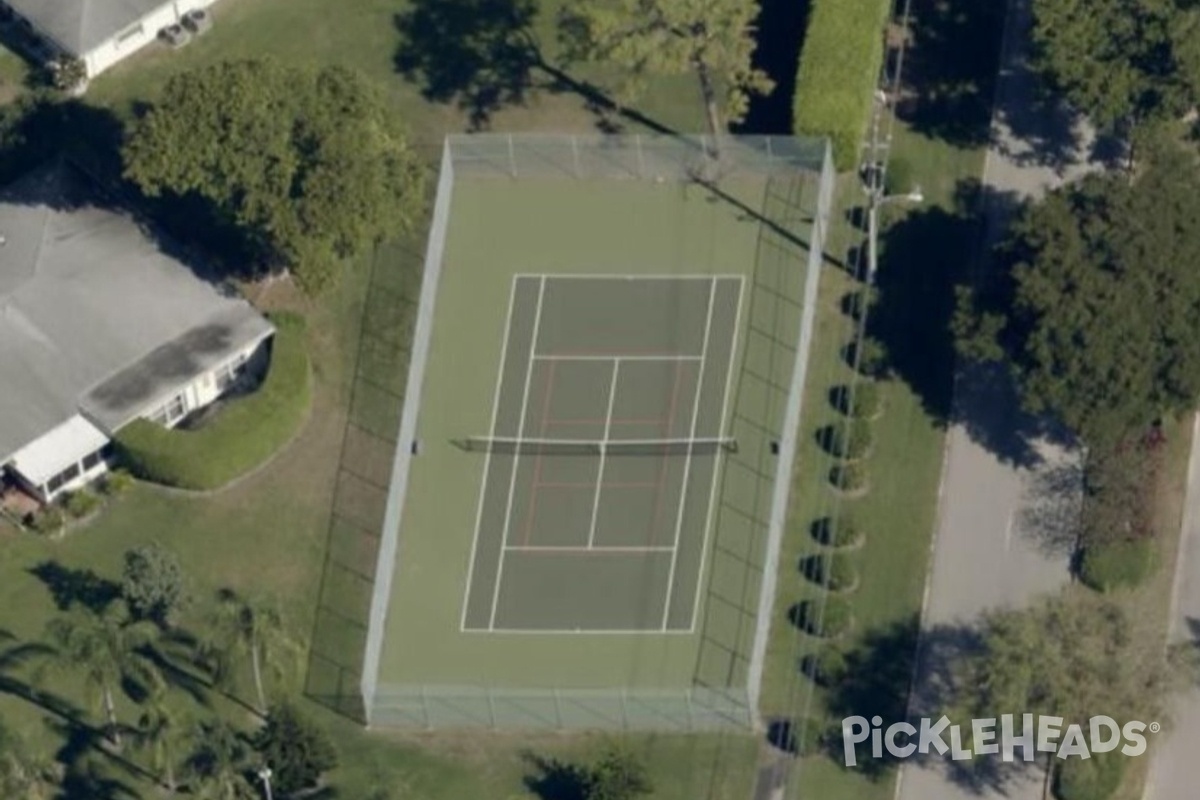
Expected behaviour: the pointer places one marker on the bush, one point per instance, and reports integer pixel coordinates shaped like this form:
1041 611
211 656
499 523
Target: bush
834 572
810 736
240 437
856 302
1097 778
840 63
826 666
298 749
833 621
865 401
849 477
116 482
81 503
842 532
851 441
1111 565
49 520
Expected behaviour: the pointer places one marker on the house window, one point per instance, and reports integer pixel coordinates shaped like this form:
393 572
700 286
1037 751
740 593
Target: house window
228 373
91 461
62 479
170 412
124 36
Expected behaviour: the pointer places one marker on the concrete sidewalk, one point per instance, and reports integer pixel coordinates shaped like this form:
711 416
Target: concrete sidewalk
1175 772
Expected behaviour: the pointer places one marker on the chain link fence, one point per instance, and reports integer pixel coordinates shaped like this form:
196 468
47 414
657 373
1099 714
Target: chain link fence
365 524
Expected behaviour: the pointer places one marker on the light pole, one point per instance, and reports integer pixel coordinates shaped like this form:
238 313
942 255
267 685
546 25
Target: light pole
875 199
264 774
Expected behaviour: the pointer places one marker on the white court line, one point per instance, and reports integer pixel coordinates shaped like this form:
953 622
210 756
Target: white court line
608 416
718 464
568 357
512 483
546 548
579 632
687 465
487 460
617 276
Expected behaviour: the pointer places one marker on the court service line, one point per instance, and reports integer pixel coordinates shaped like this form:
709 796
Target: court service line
617 276
487 459
718 465
594 357
687 465
512 482
612 396
583 551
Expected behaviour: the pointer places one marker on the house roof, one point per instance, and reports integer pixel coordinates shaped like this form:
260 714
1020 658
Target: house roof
41 460
94 315
80 25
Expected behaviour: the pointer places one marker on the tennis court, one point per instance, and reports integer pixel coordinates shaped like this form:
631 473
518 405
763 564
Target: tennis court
603 455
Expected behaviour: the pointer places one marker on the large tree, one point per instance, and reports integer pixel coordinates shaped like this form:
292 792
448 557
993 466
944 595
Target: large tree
310 166
1097 317
1121 60
253 631
711 39
1074 656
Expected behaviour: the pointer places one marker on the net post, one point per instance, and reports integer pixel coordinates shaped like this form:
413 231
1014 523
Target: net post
575 155
641 162
491 701
512 157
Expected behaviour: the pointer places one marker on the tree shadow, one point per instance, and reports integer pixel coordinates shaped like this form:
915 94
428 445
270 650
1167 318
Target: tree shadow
69 586
1050 508
779 36
552 779
953 54
476 53
874 680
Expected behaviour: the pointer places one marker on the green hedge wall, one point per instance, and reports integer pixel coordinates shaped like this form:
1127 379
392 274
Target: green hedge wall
240 437
839 72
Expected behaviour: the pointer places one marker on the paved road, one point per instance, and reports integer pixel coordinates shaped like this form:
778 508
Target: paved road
986 551
1175 773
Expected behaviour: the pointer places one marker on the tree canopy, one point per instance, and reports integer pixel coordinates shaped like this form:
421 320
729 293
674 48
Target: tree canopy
310 166
1097 318
711 39
1121 59
153 583
295 748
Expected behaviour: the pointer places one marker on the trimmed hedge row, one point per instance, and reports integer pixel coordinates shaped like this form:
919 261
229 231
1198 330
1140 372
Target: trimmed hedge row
839 72
240 437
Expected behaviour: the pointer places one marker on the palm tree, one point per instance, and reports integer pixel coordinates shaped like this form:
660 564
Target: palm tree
108 648
158 733
22 774
217 766
248 629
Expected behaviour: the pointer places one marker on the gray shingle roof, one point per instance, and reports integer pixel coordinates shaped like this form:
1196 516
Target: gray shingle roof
80 25
94 316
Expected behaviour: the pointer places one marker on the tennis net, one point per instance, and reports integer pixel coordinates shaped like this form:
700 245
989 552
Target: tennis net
595 447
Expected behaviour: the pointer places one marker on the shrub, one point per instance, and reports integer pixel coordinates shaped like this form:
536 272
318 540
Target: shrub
842 532
240 437
833 621
810 736
116 482
48 520
840 63
826 666
1124 563
298 749
1096 778
81 503
849 477
856 302
834 572
851 441
865 401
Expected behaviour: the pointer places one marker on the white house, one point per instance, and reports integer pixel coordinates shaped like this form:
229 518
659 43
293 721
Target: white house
99 326
100 32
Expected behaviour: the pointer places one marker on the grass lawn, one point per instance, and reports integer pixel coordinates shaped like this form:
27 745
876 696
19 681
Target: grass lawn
14 73
365 35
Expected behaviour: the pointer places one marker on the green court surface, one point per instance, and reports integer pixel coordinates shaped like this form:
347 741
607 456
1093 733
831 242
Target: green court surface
608 369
